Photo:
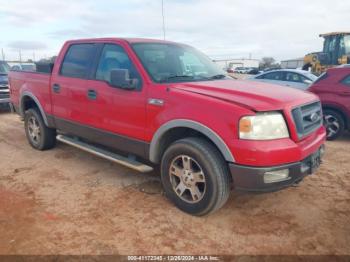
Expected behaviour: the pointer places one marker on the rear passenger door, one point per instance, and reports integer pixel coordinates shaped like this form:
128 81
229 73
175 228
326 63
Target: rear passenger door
69 87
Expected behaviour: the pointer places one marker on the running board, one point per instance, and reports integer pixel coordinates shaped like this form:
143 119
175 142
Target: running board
130 163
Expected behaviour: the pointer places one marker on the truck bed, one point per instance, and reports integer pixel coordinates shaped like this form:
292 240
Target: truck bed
20 81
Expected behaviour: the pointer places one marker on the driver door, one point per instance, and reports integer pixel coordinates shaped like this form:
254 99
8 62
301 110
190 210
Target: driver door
119 114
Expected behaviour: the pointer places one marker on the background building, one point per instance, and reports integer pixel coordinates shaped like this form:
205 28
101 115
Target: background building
234 63
293 63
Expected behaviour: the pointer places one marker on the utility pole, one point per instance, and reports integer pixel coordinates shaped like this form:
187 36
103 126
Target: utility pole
3 54
33 56
163 20
20 56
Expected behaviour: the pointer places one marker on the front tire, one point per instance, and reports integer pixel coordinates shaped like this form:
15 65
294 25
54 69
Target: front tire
195 176
334 124
38 134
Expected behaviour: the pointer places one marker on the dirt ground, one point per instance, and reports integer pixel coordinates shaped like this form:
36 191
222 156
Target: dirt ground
65 201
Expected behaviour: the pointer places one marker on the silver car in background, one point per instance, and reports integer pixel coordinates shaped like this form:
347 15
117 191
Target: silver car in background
286 77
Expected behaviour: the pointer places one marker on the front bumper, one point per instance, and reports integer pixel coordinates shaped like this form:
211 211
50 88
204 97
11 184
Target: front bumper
252 178
5 100
4 96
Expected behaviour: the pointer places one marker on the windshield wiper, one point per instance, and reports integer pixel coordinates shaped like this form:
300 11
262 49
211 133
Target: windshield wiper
174 77
220 76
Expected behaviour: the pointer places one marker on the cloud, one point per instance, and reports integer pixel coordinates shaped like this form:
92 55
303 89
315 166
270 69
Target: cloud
27 45
25 12
221 28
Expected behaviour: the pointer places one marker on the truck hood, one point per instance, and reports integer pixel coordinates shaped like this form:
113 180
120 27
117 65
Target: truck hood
255 96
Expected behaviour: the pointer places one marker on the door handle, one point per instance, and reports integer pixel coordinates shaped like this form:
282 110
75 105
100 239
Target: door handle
56 88
92 94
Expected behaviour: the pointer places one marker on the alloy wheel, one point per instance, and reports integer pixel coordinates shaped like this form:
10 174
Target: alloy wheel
34 130
187 179
332 125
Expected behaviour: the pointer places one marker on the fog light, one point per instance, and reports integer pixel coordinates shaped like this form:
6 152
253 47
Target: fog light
276 176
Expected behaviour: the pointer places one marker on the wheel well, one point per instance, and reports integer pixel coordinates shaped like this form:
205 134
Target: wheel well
27 103
177 133
340 112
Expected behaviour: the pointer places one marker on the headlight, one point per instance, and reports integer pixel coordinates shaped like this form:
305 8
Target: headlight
263 126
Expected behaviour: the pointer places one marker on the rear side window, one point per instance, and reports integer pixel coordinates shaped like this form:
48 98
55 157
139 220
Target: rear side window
78 60
346 80
293 77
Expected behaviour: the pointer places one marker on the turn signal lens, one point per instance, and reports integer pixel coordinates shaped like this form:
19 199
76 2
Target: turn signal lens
245 125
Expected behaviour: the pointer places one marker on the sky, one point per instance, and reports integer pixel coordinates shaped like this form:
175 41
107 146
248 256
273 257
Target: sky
220 28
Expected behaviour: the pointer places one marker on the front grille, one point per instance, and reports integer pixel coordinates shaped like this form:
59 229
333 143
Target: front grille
3 86
4 95
307 118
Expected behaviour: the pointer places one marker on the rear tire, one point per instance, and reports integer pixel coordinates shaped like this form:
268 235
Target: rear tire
38 134
195 176
334 124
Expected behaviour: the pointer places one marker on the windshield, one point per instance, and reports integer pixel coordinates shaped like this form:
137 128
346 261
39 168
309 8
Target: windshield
310 76
176 63
4 68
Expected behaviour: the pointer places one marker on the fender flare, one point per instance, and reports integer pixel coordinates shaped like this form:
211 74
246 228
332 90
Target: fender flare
21 105
212 135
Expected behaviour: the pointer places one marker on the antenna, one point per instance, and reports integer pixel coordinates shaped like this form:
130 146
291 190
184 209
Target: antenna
163 19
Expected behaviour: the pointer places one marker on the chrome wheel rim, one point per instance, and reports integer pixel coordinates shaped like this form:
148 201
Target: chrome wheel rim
332 125
34 130
187 179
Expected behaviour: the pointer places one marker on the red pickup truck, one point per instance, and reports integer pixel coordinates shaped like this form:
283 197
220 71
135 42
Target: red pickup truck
143 103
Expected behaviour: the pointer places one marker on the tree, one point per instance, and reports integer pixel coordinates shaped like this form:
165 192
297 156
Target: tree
268 62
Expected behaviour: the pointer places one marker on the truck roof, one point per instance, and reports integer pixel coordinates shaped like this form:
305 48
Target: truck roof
129 40
334 33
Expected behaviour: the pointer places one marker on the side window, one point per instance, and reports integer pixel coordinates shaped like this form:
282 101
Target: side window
114 57
261 76
293 77
274 76
77 60
346 80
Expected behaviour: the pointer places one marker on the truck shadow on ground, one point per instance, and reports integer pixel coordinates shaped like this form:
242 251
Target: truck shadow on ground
345 137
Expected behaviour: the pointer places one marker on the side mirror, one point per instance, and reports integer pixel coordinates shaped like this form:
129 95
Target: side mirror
307 81
120 78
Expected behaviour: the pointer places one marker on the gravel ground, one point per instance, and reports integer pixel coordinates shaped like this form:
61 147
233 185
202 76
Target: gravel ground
65 201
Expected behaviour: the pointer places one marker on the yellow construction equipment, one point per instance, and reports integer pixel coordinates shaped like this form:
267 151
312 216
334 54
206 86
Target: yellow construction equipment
336 51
